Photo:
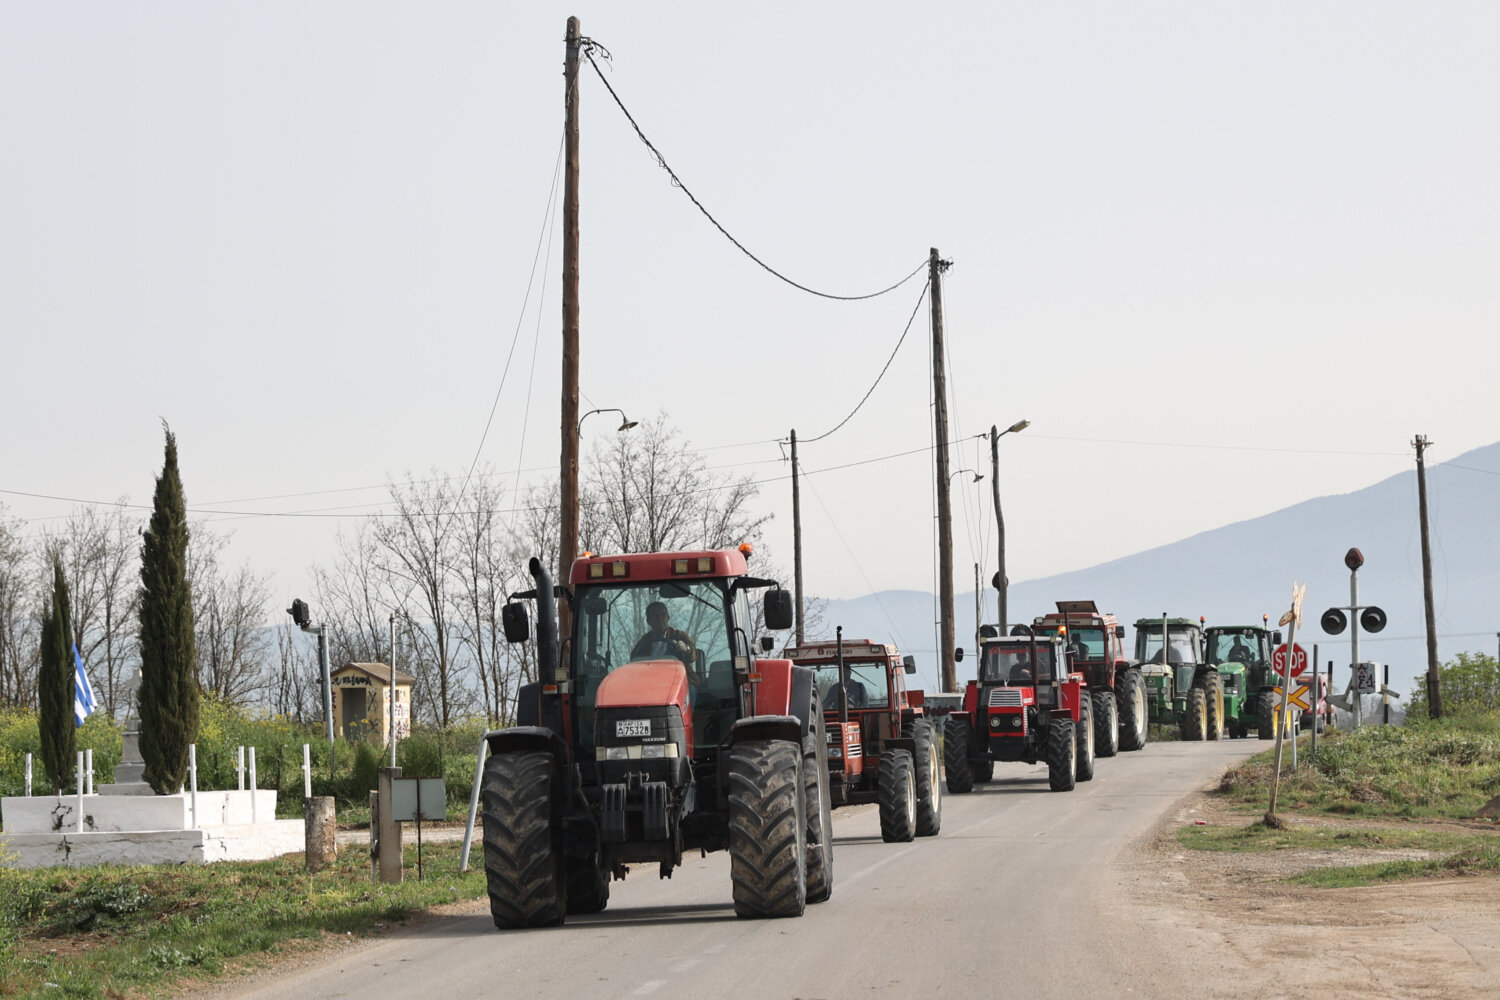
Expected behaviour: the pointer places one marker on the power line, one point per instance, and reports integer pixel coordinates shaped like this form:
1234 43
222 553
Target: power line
520 318
589 48
920 299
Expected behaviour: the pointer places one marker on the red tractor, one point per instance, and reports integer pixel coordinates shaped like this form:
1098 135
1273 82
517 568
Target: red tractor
658 731
1027 704
880 746
1114 681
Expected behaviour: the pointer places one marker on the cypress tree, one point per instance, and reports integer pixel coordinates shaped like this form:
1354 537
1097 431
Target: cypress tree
168 695
55 686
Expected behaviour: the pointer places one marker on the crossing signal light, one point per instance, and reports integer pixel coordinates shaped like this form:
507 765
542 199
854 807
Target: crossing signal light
1372 619
1334 621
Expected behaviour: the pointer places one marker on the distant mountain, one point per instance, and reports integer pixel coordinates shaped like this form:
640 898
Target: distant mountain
1239 572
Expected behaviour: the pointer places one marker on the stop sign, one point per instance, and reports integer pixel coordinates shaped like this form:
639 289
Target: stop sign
1299 660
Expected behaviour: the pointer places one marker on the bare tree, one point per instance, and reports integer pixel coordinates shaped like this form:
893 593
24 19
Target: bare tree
355 599
416 548
648 493
100 551
19 636
293 689
234 655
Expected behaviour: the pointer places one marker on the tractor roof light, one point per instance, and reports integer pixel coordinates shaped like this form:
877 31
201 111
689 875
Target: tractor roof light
596 571
705 564
619 568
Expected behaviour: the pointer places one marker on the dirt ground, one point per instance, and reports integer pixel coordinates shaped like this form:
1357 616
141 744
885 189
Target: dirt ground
1226 925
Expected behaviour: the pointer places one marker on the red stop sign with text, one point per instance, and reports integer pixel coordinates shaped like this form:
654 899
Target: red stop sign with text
1299 660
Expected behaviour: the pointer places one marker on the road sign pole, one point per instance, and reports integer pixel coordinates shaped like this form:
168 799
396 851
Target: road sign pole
1354 641
1317 711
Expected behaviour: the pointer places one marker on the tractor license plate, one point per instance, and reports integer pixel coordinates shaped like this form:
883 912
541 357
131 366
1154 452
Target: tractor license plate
633 727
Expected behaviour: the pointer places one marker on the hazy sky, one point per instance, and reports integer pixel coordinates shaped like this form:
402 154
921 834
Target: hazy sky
1223 256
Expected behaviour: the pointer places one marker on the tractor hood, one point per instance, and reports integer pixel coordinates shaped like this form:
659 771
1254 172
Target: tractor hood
643 684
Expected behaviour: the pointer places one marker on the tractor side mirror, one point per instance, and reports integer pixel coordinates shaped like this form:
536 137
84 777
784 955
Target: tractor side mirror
958 655
767 644
514 620
1276 638
909 663
1119 631
778 609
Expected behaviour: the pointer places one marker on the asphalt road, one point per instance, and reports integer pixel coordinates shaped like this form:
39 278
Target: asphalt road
1016 897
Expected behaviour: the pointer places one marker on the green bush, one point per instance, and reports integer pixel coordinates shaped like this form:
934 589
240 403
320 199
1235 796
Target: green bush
1470 685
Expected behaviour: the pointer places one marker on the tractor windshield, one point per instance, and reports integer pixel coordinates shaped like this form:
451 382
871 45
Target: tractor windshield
868 687
1180 648
619 623
1237 646
1013 664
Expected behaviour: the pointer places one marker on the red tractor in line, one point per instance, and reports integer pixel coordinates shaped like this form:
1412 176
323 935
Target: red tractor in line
880 746
1027 704
1116 687
658 731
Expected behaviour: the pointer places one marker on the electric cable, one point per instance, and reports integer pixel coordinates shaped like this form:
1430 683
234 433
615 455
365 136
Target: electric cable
589 47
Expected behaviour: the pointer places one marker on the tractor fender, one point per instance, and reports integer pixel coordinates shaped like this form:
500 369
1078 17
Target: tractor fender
767 727
785 689
521 738
901 743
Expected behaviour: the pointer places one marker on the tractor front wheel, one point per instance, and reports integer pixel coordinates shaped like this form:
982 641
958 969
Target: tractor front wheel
1214 696
1132 710
898 797
1085 733
819 810
1195 719
956 756
1062 755
1106 723
767 829
1265 716
523 862
929 779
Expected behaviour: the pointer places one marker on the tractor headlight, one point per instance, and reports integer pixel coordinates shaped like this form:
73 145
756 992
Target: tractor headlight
996 721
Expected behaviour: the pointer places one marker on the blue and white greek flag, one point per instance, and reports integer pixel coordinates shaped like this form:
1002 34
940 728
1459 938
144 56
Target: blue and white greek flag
83 691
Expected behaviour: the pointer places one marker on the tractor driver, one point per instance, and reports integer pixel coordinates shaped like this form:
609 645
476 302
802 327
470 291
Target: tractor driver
1239 653
662 640
1020 673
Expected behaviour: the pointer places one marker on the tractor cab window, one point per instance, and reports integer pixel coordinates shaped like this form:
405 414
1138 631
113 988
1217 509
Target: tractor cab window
1180 647
1016 664
868 687
1234 647
1088 643
620 623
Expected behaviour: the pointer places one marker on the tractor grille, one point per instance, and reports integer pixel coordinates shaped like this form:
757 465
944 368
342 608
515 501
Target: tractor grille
1005 698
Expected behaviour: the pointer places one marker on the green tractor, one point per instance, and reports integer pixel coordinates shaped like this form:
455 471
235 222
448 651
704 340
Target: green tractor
1241 654
1182 687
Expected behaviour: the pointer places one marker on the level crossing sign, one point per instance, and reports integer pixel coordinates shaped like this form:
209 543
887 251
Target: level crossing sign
1298 657
1298 698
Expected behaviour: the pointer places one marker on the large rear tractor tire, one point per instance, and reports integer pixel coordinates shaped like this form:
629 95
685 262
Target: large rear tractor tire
818 805
956 756
1084 730
1132 702
1195 719
767 829
1106 724
1062 755
523 860
1265 716
898 797
929 779
1214 696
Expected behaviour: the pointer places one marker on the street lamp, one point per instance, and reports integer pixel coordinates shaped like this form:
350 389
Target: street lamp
1001 582
625 422
977 475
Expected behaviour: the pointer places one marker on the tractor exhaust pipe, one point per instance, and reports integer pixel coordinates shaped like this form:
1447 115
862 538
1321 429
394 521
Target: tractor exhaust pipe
546 623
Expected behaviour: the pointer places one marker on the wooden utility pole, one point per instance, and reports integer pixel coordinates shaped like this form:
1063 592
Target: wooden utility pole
1434 689
797 537
567 548
936 266
1001 583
